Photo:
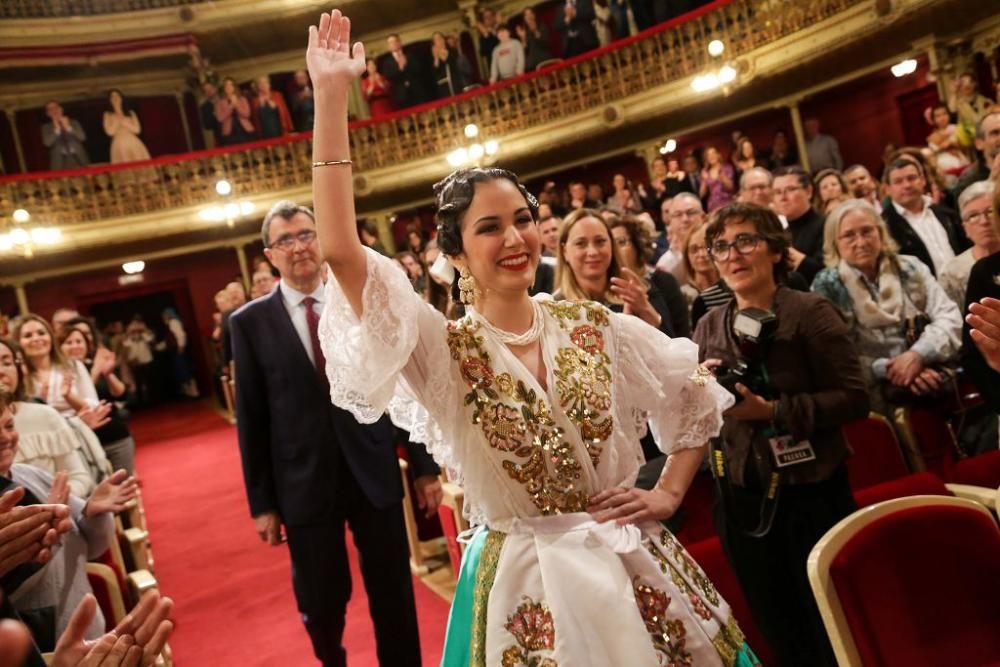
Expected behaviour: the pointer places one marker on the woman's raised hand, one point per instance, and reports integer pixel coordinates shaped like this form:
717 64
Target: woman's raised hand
332 63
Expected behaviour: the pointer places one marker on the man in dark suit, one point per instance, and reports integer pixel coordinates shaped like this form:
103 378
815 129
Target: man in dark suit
930 232
407 73
309 466
64 138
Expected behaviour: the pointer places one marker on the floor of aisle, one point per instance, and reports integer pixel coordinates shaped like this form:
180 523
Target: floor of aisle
233 596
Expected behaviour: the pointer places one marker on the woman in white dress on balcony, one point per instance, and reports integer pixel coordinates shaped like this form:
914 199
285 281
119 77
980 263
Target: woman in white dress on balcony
122 125
532 405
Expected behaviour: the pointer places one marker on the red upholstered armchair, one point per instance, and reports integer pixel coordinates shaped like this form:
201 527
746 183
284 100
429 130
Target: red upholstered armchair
927 439
877 456
912 581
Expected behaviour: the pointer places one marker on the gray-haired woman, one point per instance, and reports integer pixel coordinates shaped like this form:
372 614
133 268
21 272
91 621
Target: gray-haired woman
902 321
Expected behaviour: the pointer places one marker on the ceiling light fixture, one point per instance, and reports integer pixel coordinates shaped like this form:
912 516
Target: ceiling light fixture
904 68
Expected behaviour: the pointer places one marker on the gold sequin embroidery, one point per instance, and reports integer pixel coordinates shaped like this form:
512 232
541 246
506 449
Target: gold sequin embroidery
531 625
669 636
486 573
690 568
729 641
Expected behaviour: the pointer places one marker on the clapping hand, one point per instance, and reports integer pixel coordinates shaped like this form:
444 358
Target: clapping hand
329 57
135 642
112 494
104 360
630 289
59 491
984 318
28 533
95 416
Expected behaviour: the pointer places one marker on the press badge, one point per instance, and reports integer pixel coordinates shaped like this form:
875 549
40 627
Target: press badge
787 454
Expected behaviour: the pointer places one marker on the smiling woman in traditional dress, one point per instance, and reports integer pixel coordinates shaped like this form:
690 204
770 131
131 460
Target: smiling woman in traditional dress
532 405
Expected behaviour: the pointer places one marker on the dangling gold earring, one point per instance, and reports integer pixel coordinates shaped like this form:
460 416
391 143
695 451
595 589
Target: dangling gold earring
467 289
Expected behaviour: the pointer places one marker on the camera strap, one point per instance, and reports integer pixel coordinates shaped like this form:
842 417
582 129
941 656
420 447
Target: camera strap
769 502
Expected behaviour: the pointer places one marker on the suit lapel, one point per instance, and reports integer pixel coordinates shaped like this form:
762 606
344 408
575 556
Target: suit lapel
287 333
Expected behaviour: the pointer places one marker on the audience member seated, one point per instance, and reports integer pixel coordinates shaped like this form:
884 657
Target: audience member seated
793 193
976 210
48 442
414 270
535 37
114 435
303 105
822 149
757 187
968 105
377 91
369 236
548 233
987 165
408 80
452 71
269 110
812 386
745 156
575 22
981 332
625 198
206 112
234 115
902 324
863 186
579 197
122 124
935 187
51 598
263 283
782 154
829 190
928 231
589 267
64 138
635 248
718 180
61 318
685 212
507 60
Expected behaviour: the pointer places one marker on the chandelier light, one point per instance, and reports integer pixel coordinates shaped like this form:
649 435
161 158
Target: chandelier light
475 152
716 48
23 239
904 68
133 267
669 146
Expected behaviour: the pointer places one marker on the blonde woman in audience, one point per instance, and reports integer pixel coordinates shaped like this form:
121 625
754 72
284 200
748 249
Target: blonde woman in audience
64 384
63 583
701 270
565 541
829 190
975 206
903 325
48 442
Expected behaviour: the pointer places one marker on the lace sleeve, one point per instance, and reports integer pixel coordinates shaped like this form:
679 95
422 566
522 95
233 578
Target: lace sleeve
659 383
395 358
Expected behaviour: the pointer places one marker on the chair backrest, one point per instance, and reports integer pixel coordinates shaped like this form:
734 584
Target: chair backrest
911 581
981 470
919 484
928 440
877 456
104 583
708 553
453 523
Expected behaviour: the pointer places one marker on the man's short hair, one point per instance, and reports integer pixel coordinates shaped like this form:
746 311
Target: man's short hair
756 170
688 195
981 125
901 163
283 209
855 167
798 172
975 191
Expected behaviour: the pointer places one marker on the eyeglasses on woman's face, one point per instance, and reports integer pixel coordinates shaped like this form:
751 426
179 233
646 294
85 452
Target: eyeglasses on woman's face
983 217
743 243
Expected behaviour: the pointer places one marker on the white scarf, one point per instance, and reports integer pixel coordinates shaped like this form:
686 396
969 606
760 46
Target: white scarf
889 309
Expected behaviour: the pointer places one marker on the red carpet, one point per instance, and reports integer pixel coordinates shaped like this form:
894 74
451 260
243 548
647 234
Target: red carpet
233 594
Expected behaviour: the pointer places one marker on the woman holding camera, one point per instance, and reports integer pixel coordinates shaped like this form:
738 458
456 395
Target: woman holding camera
902 322
797 379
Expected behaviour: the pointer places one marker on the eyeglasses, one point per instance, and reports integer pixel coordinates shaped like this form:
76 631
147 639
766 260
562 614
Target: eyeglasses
781 192
854 234
690 213
744 244
696 248
287 242
983 216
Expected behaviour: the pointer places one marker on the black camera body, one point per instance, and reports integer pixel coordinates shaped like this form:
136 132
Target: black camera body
754 329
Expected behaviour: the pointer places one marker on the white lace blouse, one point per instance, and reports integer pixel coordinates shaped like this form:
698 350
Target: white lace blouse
517 449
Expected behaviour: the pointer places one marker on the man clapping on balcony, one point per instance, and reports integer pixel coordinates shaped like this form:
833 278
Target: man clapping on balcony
64 138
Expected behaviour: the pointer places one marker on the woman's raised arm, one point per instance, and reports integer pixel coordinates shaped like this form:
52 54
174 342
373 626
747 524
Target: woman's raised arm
333 66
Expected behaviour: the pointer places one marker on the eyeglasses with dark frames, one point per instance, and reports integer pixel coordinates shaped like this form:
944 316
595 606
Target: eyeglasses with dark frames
743 243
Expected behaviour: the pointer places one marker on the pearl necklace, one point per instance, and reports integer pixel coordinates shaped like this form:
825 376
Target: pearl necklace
530 336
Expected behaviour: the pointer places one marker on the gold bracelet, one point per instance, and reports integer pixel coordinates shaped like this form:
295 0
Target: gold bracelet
330 163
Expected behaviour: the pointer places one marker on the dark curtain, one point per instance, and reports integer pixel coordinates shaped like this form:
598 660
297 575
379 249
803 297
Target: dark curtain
194 121
8 152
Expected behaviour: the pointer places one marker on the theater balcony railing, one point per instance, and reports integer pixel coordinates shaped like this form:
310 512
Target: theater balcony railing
34 9
97 204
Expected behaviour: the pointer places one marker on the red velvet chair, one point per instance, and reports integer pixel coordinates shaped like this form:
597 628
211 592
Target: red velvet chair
911 581
927 439
708 553
919 484
877 456
698 522
982 470
453 522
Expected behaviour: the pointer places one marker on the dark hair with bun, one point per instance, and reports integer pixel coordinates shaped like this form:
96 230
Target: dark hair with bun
454 196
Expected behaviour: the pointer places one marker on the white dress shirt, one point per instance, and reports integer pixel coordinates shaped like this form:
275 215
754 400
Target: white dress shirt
292 298
931 232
